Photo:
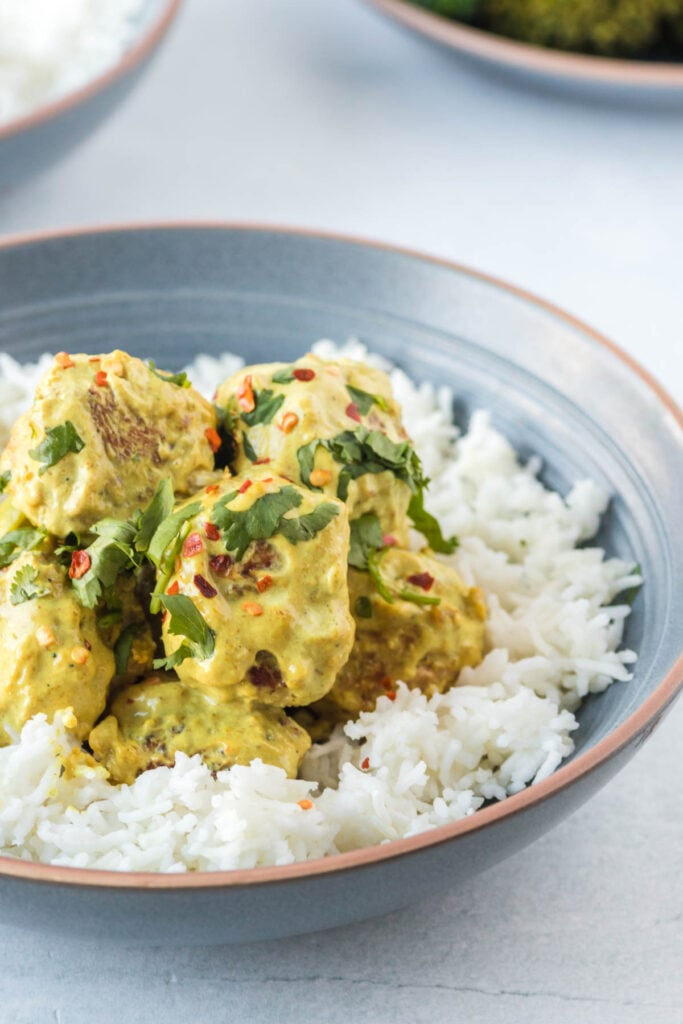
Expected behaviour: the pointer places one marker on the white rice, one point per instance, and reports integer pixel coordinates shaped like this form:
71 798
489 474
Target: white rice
412 763
50 47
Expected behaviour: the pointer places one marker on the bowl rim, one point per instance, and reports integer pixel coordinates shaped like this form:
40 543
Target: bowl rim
641 722
133 55
568 65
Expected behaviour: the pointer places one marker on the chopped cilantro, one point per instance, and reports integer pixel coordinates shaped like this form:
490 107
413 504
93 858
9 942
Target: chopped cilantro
179 379
364 451
285 376
124 646
259 522
110 554
25 587
186 621
366 536
149 521
364 400
4 480
25 538
363 607
305 527
266 405
57 443
248 448
164 544
425 523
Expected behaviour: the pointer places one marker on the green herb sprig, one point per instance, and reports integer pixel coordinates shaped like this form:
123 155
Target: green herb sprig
57 443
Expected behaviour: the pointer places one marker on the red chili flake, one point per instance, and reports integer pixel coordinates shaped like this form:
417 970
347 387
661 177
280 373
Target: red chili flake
212 488
389 541
173 589
214 439
390 695
80 563
424 580
101 379
212 531
204 587
365 763
192 546
267 480
245 395
387 683
220 564
305 805
64 360
245 486
264 583
303 374
288 422
261 462
94 359
352 412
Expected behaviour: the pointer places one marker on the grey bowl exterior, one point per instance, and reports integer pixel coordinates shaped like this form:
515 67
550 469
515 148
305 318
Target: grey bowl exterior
575 75
553 386
34 143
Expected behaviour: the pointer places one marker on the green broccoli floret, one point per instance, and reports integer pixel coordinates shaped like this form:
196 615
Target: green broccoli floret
608 27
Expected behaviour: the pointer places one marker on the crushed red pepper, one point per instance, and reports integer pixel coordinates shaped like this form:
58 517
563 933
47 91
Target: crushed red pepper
80 563
220 564
101 379
204 587
352 412
424 580
64 360
214 439
245 486
212 531
245 395
264 583
303 374
365 763
173 589
193 545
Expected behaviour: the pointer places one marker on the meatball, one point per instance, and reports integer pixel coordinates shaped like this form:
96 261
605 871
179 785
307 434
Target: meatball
264 562
333 426
424 645
154 720
103 431
53 655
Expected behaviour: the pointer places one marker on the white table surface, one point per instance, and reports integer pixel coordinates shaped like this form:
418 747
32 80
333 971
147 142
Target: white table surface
321 114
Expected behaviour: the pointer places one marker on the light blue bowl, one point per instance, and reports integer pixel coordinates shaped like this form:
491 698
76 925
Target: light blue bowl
554 387
33 143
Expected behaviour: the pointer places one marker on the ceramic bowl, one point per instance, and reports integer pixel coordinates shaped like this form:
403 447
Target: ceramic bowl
577 74
555 388
31 144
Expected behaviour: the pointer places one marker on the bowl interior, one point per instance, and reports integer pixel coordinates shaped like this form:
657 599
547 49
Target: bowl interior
552 388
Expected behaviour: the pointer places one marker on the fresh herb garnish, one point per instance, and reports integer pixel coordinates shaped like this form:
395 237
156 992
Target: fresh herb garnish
425 523
248 448
259 522
363 607
364 400
57 443
4 480
377 578
366 536
166 541
266 405
226 426
149 521
25 538
364 451
110 554
285 376
186 621
24 586
124 646
179 379
305 527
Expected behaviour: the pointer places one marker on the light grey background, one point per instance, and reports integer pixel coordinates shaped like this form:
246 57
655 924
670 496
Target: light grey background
318 113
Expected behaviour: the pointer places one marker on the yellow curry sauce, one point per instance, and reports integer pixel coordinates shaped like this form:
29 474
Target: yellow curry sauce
187 577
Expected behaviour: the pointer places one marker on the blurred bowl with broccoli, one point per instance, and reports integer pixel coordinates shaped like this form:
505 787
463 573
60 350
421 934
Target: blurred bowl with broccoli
621 46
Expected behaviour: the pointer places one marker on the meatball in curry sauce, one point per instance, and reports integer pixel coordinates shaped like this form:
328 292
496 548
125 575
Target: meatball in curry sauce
235 612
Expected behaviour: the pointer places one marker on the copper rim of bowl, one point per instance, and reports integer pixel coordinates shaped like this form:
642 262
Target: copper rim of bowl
527 57
136 53
642 721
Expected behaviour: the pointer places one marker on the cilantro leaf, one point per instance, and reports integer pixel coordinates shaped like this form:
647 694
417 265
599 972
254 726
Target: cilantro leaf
165 542
179 379
364 400
186 621
25 587
112 553
25 538
124 646
4 480
259 522
362 609
364 451
285 376
425 523
248 448
306 459
57 443
149 521
366 536
266 405
307 526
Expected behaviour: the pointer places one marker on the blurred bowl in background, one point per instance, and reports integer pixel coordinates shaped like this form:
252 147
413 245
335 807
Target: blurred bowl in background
654 82
32 143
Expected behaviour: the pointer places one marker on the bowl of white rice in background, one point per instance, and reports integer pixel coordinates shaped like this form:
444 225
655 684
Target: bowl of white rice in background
554 459
64 66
